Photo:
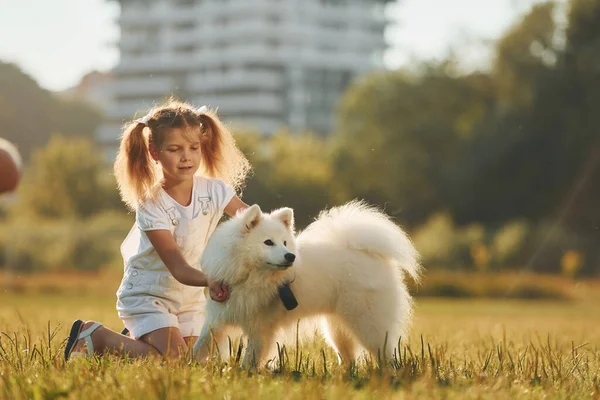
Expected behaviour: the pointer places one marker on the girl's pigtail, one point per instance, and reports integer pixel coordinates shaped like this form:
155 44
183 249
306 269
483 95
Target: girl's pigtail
211 146
136 176
220 156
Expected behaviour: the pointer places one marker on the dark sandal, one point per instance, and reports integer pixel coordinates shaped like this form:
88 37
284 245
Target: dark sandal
75 329
76 335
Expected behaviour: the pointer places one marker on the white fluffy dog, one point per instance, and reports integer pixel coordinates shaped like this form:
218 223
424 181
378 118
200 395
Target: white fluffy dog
346 267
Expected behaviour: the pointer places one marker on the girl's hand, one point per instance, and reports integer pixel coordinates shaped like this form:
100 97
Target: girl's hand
219 291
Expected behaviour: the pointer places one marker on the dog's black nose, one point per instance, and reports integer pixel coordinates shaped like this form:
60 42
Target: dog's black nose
290 257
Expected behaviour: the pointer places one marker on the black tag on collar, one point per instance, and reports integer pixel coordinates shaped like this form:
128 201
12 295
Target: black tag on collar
287 296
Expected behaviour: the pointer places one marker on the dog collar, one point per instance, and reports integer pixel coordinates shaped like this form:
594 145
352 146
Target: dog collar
287 296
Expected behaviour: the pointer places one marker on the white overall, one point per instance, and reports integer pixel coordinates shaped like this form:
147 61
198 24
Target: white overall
149 297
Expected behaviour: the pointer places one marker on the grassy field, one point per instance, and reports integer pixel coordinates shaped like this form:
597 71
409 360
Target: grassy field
458 349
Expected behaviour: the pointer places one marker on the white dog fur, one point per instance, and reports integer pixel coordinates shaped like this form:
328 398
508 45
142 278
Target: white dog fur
349 270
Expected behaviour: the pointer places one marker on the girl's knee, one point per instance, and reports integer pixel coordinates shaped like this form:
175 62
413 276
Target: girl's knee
174 351
167 341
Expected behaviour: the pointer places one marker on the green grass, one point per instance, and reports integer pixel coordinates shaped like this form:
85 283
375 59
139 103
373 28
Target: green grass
457 349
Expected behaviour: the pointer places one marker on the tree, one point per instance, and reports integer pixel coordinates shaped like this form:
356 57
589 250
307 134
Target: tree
522 56
509 168
67 179
289 170
29 115
399 134
580 70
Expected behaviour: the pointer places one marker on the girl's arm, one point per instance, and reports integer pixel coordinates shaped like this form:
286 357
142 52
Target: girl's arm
170 254
234 205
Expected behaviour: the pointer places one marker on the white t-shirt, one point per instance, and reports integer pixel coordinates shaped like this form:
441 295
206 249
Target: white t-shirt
190 225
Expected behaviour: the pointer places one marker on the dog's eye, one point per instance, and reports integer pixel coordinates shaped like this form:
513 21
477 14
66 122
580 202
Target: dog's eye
284 243
269 242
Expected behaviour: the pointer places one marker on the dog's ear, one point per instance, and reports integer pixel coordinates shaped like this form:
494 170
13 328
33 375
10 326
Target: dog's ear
251 217
285 215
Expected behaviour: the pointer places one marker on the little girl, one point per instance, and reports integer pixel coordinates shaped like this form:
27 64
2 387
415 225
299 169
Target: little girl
177 167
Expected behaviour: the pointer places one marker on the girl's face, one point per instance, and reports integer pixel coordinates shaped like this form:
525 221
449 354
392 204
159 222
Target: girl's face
179 155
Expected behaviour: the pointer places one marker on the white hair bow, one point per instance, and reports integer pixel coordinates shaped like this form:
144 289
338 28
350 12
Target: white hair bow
144 120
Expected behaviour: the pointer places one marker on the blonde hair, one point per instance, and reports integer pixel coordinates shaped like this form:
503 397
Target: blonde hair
139 178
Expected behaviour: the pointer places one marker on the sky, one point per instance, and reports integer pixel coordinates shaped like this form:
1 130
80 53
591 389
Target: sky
59 41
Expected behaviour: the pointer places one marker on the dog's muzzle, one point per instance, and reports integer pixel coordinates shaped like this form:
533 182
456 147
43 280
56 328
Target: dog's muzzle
289 261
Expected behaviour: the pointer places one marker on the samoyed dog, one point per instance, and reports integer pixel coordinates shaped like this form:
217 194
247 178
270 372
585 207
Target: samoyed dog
347 268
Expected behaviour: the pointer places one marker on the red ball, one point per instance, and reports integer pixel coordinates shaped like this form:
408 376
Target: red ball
10 166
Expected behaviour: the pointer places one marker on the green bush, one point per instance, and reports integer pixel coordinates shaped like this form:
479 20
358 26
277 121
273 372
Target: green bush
90 244
443 244
289 170
66 179
516 245
493 285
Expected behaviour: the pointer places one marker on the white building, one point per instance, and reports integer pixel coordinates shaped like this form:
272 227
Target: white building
265 64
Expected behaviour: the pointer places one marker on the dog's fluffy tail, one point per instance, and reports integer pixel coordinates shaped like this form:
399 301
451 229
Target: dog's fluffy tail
361 227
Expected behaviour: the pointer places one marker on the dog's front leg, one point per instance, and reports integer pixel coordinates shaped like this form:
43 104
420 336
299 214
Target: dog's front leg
253 354
202 346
